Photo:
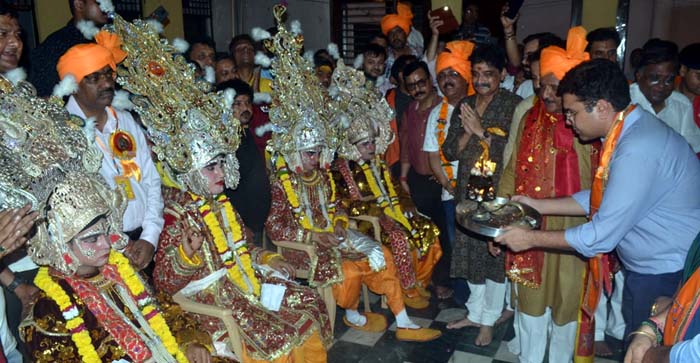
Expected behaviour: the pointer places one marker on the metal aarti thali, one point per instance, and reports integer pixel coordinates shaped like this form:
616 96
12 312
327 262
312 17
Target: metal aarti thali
493 216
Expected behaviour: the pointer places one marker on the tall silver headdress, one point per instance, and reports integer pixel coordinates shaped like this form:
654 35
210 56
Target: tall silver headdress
189 125
48 158
302 114
367 112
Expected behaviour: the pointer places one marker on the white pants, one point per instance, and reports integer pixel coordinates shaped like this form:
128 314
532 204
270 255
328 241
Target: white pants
611 322
535 331
485 302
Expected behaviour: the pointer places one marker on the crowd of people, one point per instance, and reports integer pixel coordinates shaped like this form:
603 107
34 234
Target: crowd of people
144 184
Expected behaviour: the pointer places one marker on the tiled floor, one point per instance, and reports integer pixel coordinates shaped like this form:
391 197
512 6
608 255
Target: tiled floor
453 346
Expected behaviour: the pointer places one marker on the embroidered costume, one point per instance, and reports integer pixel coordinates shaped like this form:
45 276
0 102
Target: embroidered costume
198 130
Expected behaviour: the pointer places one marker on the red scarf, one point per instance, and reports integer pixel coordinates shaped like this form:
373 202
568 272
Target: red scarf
546 167
119 329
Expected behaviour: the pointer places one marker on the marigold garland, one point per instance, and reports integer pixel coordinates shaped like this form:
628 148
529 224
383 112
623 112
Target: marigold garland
236 263
293 199
74 322
391 207
442 123
76 325
145 303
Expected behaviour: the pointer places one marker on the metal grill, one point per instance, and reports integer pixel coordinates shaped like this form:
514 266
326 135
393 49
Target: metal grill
197 7
21 5
360 24
128 9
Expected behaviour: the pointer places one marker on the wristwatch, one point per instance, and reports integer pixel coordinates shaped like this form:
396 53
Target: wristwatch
16 282
486 134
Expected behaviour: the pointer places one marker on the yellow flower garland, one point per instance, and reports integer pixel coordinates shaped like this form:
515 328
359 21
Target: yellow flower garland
235 269
145 303
391 207
76 325
304 220
442 122
74 322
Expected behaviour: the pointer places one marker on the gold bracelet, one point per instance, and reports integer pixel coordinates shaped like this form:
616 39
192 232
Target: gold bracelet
194 261
654 309
646 334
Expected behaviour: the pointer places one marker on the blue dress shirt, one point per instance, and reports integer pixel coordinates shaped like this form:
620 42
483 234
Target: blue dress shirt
651 204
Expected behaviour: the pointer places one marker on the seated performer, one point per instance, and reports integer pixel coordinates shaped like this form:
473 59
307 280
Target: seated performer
93 306
304 195
367 188
203 251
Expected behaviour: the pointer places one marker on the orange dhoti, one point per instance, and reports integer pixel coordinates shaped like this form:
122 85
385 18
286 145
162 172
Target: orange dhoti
357 272
426 264
311 351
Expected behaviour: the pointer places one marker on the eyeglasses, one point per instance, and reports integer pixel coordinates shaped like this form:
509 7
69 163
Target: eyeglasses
421 83
569 114
448 74
96 77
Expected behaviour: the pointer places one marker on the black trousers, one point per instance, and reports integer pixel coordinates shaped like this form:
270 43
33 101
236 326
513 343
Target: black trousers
425 193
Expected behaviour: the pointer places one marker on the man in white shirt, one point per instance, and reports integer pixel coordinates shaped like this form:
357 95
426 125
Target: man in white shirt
127 159
654 92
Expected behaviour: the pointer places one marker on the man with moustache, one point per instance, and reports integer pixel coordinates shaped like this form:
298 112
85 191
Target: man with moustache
654 90
603 43
454 76
416 175
252 197
11 44
225 70
127 159
42 70
202 52
548 160
398 99
483 117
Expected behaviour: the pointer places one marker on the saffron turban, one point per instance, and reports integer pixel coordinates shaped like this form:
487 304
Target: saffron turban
559 61
456 56
84 59
403 19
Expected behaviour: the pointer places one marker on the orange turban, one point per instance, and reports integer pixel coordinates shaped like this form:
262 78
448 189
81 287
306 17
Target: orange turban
83 59
559 61
403 19
457 57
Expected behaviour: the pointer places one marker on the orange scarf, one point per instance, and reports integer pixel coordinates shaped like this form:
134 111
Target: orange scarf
442 123
598 273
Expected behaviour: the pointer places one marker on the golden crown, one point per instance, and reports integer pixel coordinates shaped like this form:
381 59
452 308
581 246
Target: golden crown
189 125
302 113
367 112
40 143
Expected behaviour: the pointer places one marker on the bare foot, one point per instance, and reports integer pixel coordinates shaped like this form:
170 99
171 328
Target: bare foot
505 315
485 336
459 324
602 349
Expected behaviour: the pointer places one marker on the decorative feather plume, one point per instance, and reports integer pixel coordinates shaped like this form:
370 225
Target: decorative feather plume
181 45
333 91
121 100
156 25
209 74
309 56
66 87
89 130
344 121
262 60
259 34
106 6
87 28
16 75
295 27
261 97
333 50
263 129
229 97
357 63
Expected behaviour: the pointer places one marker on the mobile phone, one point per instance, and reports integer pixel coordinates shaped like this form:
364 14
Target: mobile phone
513 8
449 22
159 14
